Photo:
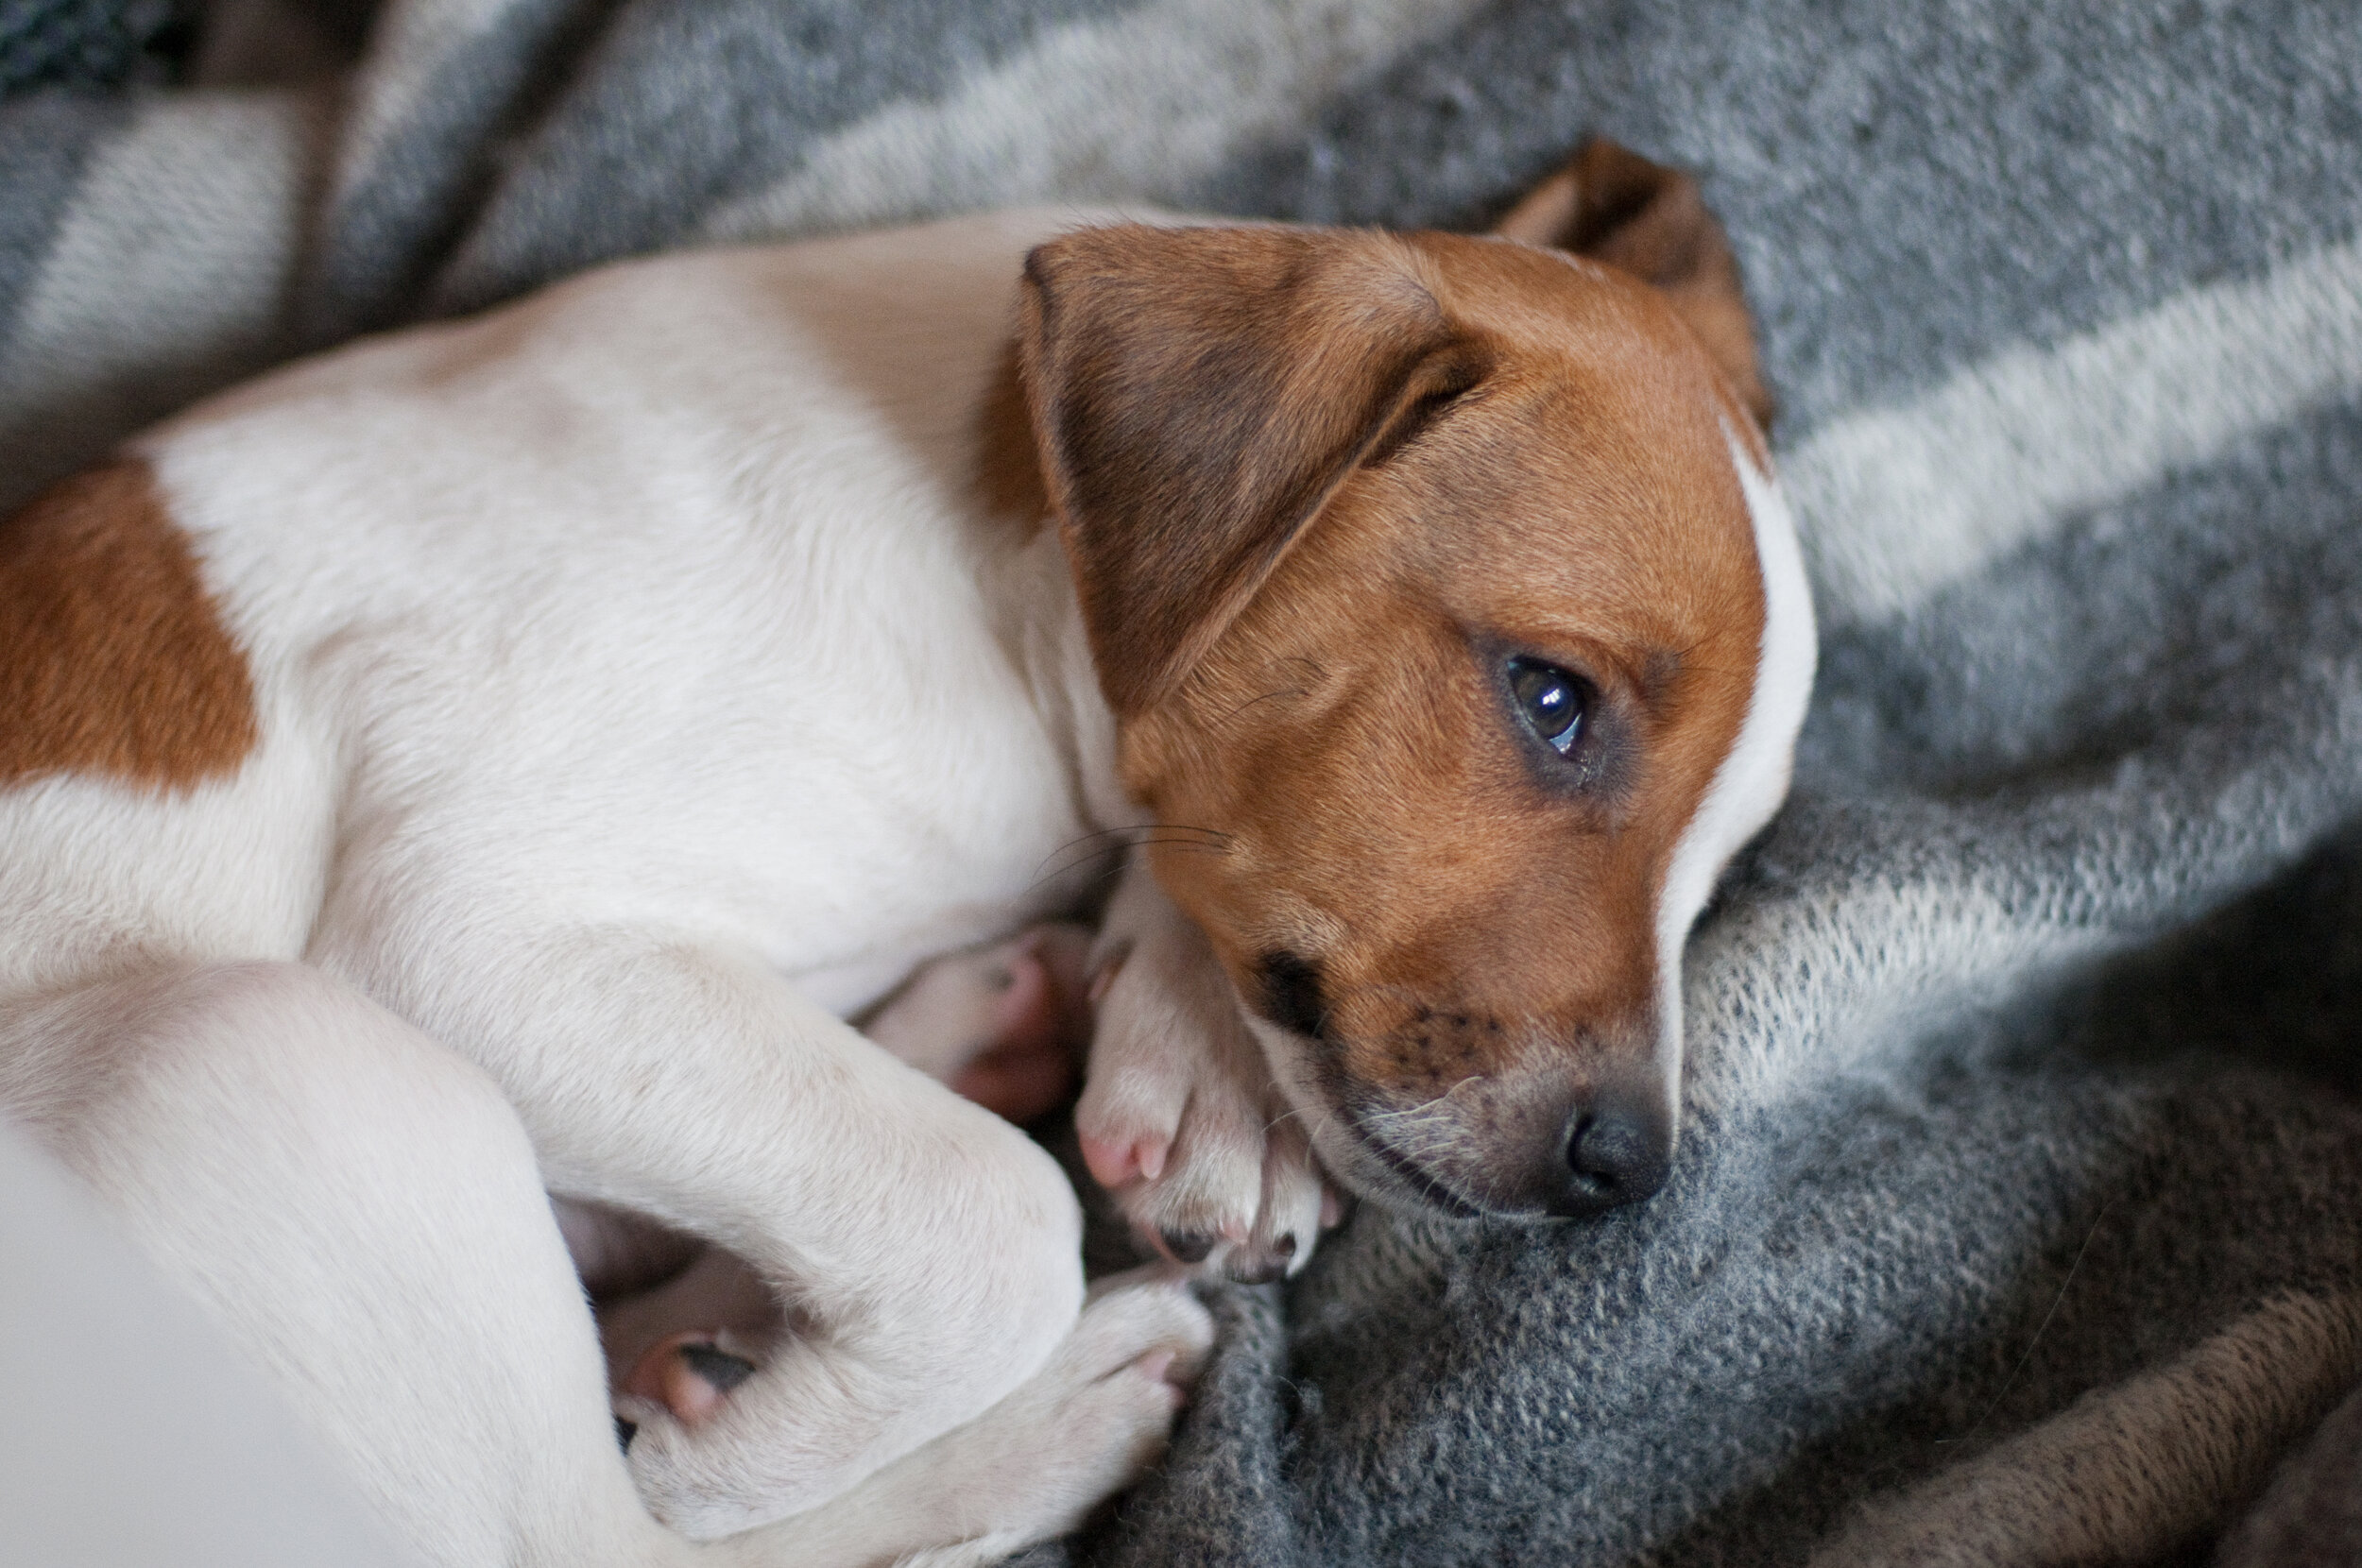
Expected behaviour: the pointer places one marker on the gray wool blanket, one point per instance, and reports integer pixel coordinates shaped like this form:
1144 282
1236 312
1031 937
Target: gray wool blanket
2018 1214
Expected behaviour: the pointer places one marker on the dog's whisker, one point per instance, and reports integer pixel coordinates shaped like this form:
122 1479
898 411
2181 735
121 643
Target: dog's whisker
1055 870
1084 850
1186 843
1081 840
1189 828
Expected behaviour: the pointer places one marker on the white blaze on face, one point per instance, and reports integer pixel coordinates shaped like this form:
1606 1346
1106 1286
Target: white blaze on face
1753 780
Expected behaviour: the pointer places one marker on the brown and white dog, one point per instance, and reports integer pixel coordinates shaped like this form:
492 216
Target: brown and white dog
492 760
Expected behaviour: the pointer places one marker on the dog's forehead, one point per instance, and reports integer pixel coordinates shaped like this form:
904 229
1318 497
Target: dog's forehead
1537 294
1592 378
1557 498
1614 347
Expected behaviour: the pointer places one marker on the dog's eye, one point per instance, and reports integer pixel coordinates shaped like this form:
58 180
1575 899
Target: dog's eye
1550 701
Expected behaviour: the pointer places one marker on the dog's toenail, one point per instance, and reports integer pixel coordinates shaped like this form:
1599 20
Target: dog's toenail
624 1432
1188 1245
717 1366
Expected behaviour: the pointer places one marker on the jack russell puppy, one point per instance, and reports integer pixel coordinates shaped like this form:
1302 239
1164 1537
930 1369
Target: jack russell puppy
490 762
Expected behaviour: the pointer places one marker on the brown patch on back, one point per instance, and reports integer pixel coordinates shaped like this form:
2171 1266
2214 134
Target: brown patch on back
114 658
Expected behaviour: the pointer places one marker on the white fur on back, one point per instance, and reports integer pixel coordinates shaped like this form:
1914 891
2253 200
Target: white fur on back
667 603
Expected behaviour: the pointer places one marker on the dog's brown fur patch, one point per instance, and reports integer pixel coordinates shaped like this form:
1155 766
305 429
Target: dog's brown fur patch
114 658
1617 207
1195 409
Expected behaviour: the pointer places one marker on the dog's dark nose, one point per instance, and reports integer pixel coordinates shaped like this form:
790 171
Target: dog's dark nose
1615 1154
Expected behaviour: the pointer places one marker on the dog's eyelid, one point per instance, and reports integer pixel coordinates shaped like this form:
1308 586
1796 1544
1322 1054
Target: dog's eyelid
1606 679
1602 763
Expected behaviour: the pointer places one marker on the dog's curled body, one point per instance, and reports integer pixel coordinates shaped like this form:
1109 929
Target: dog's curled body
615 666
606 605
524 742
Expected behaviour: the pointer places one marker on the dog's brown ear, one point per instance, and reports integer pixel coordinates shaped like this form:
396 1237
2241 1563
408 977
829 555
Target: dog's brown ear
1197 395
1615 206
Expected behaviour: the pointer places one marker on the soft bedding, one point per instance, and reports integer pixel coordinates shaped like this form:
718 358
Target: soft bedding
2018 1214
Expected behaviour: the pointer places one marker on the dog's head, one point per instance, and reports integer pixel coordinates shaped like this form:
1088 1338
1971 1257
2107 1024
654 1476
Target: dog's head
1455 629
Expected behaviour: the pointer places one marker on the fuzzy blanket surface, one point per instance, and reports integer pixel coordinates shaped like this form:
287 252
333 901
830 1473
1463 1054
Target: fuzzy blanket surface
2018 1214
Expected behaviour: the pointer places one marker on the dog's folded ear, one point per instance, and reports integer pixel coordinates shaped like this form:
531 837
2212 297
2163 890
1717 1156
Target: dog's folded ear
1615 206
1198 394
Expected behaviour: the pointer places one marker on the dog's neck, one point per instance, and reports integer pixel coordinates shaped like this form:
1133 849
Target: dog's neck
1043 626
1040 616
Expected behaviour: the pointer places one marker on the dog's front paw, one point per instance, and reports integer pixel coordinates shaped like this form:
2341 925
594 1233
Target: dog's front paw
1002 1024
1034 1466
1179 1119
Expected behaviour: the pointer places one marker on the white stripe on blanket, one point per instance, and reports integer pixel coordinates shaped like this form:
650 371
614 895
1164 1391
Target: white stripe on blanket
165 276
1896 502
409 47
1134 107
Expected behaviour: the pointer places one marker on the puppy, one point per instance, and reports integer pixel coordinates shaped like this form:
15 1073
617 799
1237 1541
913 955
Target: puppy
1362 923
493 760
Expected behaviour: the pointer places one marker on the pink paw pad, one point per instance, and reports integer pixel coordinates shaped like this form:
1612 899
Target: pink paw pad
690 1374
1115 1162
1004 1026
1034 1025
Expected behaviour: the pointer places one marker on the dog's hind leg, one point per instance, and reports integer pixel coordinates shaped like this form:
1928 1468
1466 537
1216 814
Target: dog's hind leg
927 1253
359 1208
1003 1024
1036 1464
